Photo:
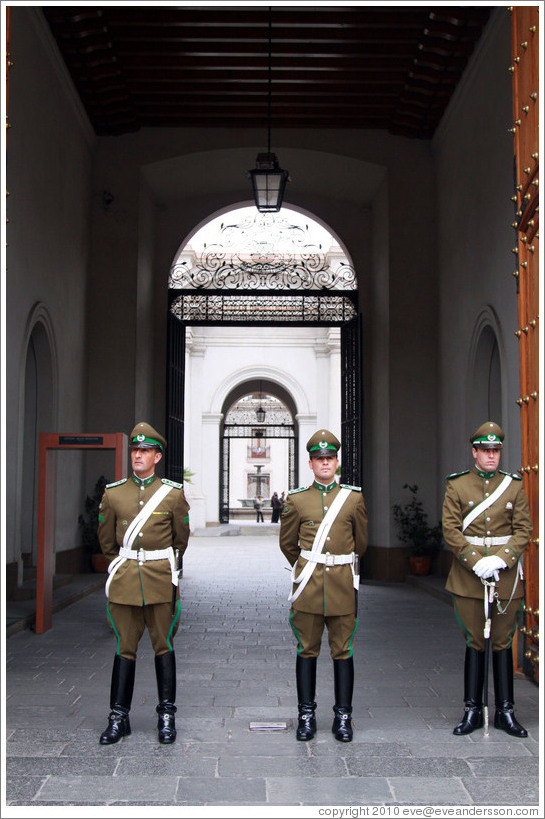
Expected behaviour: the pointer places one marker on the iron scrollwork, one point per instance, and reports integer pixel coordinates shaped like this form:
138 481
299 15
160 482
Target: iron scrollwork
263 252
264 309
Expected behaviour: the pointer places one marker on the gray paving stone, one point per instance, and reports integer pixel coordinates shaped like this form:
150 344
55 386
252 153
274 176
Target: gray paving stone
172 765
428 767
61 766
504 766
328 791
63 789
267 766
508 790
426 790
196 790
22 789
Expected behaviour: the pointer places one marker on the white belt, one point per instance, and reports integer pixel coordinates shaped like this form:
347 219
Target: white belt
327 558
142 556
488 541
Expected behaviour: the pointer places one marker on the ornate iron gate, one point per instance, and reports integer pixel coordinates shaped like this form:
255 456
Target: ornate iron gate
174 455
352 416
230 431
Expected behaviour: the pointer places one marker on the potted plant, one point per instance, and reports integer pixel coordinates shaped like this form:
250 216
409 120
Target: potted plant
88 523
423 540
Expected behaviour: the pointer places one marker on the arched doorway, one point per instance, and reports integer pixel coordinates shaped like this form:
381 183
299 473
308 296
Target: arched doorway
39 414
268 270
485 397
258 443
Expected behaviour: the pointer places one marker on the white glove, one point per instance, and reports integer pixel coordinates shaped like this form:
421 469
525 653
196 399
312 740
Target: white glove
488 566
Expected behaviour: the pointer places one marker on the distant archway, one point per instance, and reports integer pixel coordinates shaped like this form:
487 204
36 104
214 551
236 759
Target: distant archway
258 432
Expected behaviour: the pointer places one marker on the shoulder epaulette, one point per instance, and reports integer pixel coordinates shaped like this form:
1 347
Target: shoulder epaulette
514 475
172 483
457 474
347 486
301 489
117 483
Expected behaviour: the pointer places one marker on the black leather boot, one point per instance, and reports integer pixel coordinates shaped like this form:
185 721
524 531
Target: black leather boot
165 670
120 700
343 671
473 692
305 673
504 719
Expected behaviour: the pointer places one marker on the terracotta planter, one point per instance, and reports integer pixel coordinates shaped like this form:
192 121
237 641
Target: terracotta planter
420 564
99 563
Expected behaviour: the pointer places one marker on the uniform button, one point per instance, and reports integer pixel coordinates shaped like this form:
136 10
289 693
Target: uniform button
328 538
141 503
472 553
326 507
507 551
327 568
486 494
489 532
487 482
489 518
465 559
140 534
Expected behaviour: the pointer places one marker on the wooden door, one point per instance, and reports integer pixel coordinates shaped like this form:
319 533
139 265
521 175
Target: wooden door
525 73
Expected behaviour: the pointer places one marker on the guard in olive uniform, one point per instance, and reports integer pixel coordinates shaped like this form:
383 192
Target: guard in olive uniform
323 533
487 525
143 529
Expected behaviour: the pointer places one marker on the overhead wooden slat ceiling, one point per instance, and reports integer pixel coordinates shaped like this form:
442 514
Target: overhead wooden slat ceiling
391 68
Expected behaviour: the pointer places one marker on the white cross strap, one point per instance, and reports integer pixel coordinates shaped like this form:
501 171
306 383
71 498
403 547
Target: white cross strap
136 525
306 572
479 509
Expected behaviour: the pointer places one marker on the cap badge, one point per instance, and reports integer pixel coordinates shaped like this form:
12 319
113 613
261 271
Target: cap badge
323 444
140 437
492 437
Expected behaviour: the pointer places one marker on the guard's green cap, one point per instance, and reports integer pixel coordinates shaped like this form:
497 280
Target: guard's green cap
323 442
488 436
143 435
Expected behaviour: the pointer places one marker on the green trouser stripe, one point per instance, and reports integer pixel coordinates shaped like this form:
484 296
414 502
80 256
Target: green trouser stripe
516 619
113 625
352 637
466 632
300 646
175 620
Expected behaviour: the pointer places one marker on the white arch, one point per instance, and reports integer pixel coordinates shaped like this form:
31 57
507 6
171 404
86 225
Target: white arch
262 372
247 203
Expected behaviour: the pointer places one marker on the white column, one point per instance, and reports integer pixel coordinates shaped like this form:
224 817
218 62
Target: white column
193 452
308 425
210 426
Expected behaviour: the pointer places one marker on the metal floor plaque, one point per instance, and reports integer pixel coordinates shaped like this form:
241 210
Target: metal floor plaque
268 726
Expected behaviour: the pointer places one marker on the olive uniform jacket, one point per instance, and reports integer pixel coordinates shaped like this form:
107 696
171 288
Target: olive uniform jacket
330 590
168 525
509 515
